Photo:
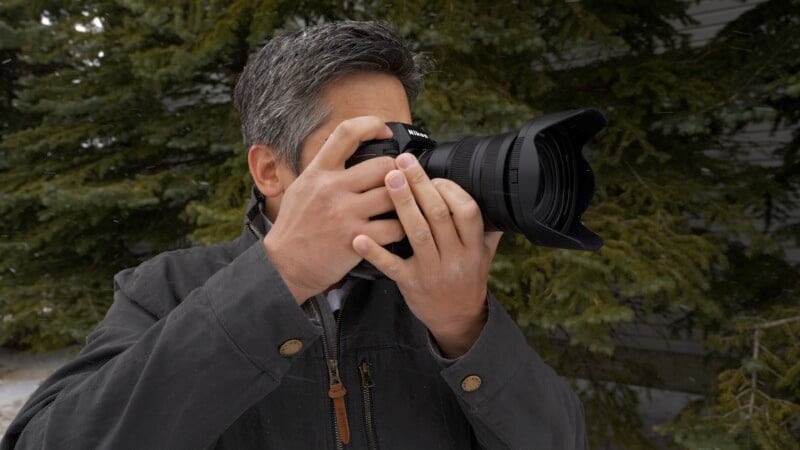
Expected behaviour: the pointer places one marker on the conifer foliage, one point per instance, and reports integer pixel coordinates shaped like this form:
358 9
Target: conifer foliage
119 141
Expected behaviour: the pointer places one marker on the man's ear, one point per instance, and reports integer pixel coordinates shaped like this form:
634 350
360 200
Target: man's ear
265 169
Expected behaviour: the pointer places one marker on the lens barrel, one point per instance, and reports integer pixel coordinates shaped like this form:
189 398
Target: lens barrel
535 181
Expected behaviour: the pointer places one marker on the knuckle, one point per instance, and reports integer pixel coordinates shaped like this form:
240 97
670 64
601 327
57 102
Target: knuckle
443 184
470 210
345 129
392 269
327 194
386 164
440 213
406 202
338 215
315 191
416 175
380 196
381 165
422 235
452 187
389 231
323 187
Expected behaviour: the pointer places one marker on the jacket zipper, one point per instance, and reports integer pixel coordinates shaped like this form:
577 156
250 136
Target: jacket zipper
336 389
367 383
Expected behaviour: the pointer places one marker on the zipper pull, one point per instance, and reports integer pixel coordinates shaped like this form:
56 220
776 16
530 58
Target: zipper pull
337 393
366 376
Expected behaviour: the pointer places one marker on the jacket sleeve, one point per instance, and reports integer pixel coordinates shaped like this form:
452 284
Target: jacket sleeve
512 399
177 382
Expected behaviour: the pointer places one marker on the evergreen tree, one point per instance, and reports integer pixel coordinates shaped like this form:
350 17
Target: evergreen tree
120 141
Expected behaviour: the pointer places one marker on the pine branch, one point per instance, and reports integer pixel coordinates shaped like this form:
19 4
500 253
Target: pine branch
776 323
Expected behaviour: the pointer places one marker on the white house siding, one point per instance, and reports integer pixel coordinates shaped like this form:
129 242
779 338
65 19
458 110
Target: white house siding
712 16
759 141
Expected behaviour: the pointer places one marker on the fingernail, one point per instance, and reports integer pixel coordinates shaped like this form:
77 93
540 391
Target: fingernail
437 181
396 180
405 160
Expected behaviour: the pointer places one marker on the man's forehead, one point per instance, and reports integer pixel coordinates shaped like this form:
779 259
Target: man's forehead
367 93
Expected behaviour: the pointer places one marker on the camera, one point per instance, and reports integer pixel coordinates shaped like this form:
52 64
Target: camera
533 181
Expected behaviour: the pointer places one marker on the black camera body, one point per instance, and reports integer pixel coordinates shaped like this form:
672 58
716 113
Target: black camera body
534 181
406 138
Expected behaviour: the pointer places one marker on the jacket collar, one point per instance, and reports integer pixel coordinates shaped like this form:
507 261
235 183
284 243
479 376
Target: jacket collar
256 222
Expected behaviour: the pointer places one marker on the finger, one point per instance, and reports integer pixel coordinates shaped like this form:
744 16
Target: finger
383 231
373 202
346 138
436 211
369 174
492 241
416 227
466 214
388 263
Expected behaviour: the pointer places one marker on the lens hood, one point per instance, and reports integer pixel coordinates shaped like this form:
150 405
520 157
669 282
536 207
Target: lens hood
546 164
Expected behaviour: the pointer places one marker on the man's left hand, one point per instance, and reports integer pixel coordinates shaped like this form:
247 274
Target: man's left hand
444 282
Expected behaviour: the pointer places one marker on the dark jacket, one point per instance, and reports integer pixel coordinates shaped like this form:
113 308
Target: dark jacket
207 348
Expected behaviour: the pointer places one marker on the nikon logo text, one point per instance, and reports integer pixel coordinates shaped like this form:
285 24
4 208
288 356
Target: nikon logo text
418 134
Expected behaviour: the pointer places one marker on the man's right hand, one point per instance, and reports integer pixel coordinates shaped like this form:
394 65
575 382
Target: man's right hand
327 206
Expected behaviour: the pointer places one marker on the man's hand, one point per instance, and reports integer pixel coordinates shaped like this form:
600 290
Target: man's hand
327 206
444 282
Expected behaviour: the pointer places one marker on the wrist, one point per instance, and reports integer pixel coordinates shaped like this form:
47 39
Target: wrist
286 269
454 342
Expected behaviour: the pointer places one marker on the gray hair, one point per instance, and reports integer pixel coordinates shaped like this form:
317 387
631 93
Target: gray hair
279 93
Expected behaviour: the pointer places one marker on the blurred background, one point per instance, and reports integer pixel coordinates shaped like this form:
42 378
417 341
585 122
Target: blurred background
120 141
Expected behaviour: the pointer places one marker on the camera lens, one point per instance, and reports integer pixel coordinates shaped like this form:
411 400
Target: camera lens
478 164
534 181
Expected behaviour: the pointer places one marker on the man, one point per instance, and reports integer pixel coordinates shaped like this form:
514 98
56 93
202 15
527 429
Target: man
265 342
